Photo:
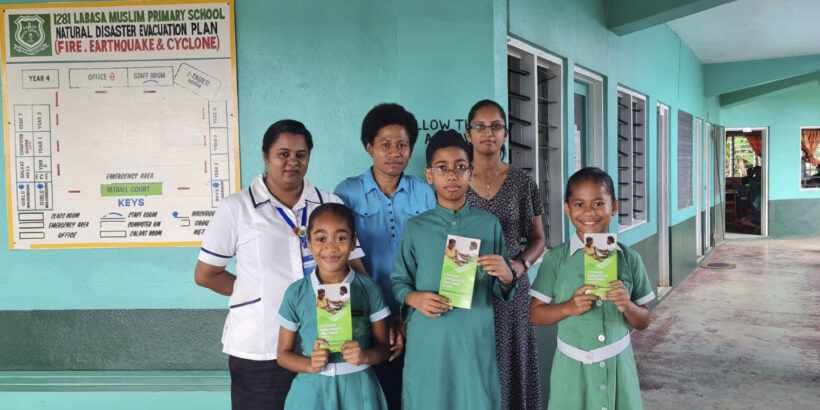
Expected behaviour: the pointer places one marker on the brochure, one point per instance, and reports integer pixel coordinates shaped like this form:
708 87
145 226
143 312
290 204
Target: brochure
458 272
600 261
333 314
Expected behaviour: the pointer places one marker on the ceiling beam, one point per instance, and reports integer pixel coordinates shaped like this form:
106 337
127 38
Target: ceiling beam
752 92
723 78
628 16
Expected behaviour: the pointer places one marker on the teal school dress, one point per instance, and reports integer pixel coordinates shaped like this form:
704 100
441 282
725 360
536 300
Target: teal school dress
340 385
450 360
593 367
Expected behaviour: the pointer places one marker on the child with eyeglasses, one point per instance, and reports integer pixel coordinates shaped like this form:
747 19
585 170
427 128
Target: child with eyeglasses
450 354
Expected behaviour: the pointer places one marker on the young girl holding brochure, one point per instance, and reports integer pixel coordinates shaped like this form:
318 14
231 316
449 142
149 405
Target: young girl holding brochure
594 367
327 380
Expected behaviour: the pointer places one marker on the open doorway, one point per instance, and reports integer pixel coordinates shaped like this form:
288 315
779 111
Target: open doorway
745 171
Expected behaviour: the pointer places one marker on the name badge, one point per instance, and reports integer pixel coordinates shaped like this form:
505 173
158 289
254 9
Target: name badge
308 264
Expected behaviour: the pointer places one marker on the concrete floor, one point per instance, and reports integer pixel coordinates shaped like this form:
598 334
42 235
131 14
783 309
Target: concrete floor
747 338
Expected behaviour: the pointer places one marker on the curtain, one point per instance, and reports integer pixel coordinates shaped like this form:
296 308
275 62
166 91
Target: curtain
755 142
809 139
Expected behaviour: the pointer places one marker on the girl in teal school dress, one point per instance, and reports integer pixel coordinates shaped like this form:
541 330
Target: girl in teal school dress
593 367
343 380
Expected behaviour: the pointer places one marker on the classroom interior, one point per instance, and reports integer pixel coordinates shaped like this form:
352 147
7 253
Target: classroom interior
678 100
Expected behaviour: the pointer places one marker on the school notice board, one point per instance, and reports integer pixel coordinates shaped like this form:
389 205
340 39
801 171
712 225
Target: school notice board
121 122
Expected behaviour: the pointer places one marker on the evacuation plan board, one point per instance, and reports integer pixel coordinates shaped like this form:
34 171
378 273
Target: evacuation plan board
120 122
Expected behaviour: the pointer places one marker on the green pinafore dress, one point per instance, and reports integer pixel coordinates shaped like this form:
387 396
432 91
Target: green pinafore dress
594 367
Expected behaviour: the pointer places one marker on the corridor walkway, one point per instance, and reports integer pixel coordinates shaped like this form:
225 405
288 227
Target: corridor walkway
743 338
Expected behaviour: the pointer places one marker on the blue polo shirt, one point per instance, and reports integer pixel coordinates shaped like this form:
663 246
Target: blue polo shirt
380 220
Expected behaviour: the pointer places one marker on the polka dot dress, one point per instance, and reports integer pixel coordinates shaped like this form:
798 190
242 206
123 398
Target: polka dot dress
515 205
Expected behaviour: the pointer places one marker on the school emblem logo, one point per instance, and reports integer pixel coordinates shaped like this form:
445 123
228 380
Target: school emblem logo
31 35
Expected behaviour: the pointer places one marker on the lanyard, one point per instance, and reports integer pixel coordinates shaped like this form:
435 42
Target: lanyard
299 231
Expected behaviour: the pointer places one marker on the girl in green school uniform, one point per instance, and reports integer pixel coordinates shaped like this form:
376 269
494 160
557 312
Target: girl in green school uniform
593 367
343 380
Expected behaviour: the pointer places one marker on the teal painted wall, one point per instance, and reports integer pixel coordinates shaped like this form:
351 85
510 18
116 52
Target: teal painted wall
116 400
784 112
683 248
788 218
324 63
111 339
626 16
653 62
727 77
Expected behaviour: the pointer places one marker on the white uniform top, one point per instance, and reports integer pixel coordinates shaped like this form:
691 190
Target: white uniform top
268 259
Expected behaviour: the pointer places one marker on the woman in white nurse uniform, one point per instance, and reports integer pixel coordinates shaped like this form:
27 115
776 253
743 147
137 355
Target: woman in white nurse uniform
263 226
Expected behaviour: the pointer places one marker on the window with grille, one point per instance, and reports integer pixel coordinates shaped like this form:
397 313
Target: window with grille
535 104
632 161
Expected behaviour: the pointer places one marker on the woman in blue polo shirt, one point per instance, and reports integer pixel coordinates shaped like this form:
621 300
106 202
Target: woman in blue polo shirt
264 227
383 198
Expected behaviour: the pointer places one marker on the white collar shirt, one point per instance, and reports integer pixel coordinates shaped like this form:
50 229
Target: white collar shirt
575 244
268 255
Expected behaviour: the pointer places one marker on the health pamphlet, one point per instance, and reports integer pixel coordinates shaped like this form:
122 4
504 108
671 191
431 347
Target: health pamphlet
600 261
458 272
333 314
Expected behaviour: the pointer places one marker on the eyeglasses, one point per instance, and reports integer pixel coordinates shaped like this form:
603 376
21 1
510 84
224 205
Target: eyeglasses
479 129
457 172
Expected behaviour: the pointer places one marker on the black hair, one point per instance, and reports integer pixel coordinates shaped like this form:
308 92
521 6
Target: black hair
335 209
281 126
610 239
589 240
386 114
444 139
320 291
593 174
487 103
342 289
